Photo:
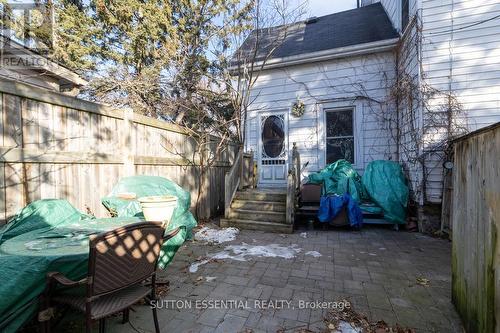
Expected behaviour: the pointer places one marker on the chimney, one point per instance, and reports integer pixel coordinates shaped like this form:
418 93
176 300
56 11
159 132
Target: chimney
312 19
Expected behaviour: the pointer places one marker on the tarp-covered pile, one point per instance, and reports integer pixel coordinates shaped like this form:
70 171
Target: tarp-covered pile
150 185
383 186
385 182
51 235
340 178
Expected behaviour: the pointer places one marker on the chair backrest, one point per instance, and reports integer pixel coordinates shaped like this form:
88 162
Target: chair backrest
124 256
310 193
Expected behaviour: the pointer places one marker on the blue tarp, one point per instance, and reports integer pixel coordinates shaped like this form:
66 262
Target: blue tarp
330 206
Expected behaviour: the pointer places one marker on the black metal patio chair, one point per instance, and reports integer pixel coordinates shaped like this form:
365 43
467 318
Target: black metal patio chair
120 261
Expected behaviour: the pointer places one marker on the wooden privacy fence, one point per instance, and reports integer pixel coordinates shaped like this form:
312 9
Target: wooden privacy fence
475 217
56 146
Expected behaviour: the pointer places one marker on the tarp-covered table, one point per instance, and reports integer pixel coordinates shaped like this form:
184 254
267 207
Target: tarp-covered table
51 235
26 259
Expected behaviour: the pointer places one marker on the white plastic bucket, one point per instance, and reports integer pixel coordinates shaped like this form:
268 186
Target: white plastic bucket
158 208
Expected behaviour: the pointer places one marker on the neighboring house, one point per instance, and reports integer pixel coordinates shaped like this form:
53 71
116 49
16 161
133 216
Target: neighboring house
23 64
394 79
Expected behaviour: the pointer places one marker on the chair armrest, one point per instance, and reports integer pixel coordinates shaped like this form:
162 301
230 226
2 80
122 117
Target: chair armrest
61 279
171 234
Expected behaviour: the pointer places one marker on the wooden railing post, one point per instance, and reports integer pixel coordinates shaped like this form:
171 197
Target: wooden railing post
290 194
251 170
293 185
296 164
241 169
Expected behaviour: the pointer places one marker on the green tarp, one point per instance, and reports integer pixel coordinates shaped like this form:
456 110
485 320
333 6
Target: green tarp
51 235
340 178
151 185
382 187
385 182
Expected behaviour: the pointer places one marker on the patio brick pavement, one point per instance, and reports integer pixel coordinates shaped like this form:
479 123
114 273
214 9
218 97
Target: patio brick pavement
375 269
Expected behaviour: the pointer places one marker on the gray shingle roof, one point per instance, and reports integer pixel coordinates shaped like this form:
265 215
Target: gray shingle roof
351 27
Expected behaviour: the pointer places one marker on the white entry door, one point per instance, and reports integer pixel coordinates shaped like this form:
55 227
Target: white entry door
273 148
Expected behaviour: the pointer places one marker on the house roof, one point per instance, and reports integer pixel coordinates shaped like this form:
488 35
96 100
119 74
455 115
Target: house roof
352 27
47 66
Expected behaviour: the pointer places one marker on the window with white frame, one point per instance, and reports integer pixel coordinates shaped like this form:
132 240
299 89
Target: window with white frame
339 135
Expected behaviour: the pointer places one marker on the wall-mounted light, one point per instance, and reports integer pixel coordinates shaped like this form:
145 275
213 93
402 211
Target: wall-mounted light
448 165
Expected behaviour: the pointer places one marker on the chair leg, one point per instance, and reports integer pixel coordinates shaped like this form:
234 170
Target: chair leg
102 325
47 311
45 326
125 317
153 299
155 318
88 326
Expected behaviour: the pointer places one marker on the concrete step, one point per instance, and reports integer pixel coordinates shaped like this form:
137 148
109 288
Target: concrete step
257 225
270 206
260 196
257 215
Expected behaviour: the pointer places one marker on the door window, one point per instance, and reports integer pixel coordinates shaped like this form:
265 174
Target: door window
273 136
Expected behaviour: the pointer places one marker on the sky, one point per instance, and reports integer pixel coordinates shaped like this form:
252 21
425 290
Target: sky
325 7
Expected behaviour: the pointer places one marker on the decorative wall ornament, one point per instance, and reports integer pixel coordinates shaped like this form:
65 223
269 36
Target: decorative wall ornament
298 108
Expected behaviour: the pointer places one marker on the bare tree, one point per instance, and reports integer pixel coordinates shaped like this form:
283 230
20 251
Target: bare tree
272 22
215 111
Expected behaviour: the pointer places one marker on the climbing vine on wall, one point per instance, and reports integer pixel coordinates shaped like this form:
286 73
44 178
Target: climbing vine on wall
420 119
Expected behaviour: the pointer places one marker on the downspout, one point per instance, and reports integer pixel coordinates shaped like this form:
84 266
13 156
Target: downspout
450 71
421 172
419 32
398 129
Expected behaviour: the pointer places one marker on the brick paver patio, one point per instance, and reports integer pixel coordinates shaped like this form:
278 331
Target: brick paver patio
376 269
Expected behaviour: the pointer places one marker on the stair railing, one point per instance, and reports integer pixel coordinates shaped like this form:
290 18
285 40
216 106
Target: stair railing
232 181
293 185
247 171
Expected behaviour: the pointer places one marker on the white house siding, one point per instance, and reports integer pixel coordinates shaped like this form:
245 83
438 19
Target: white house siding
409 110
410 113
393 10
464 59
461 54
361 81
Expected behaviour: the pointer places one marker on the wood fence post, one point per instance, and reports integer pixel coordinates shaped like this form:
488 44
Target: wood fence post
126 143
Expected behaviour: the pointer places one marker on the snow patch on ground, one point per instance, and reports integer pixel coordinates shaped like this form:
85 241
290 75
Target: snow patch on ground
195 265
345 327
241 252
244 251
303 234
216 235
315 254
